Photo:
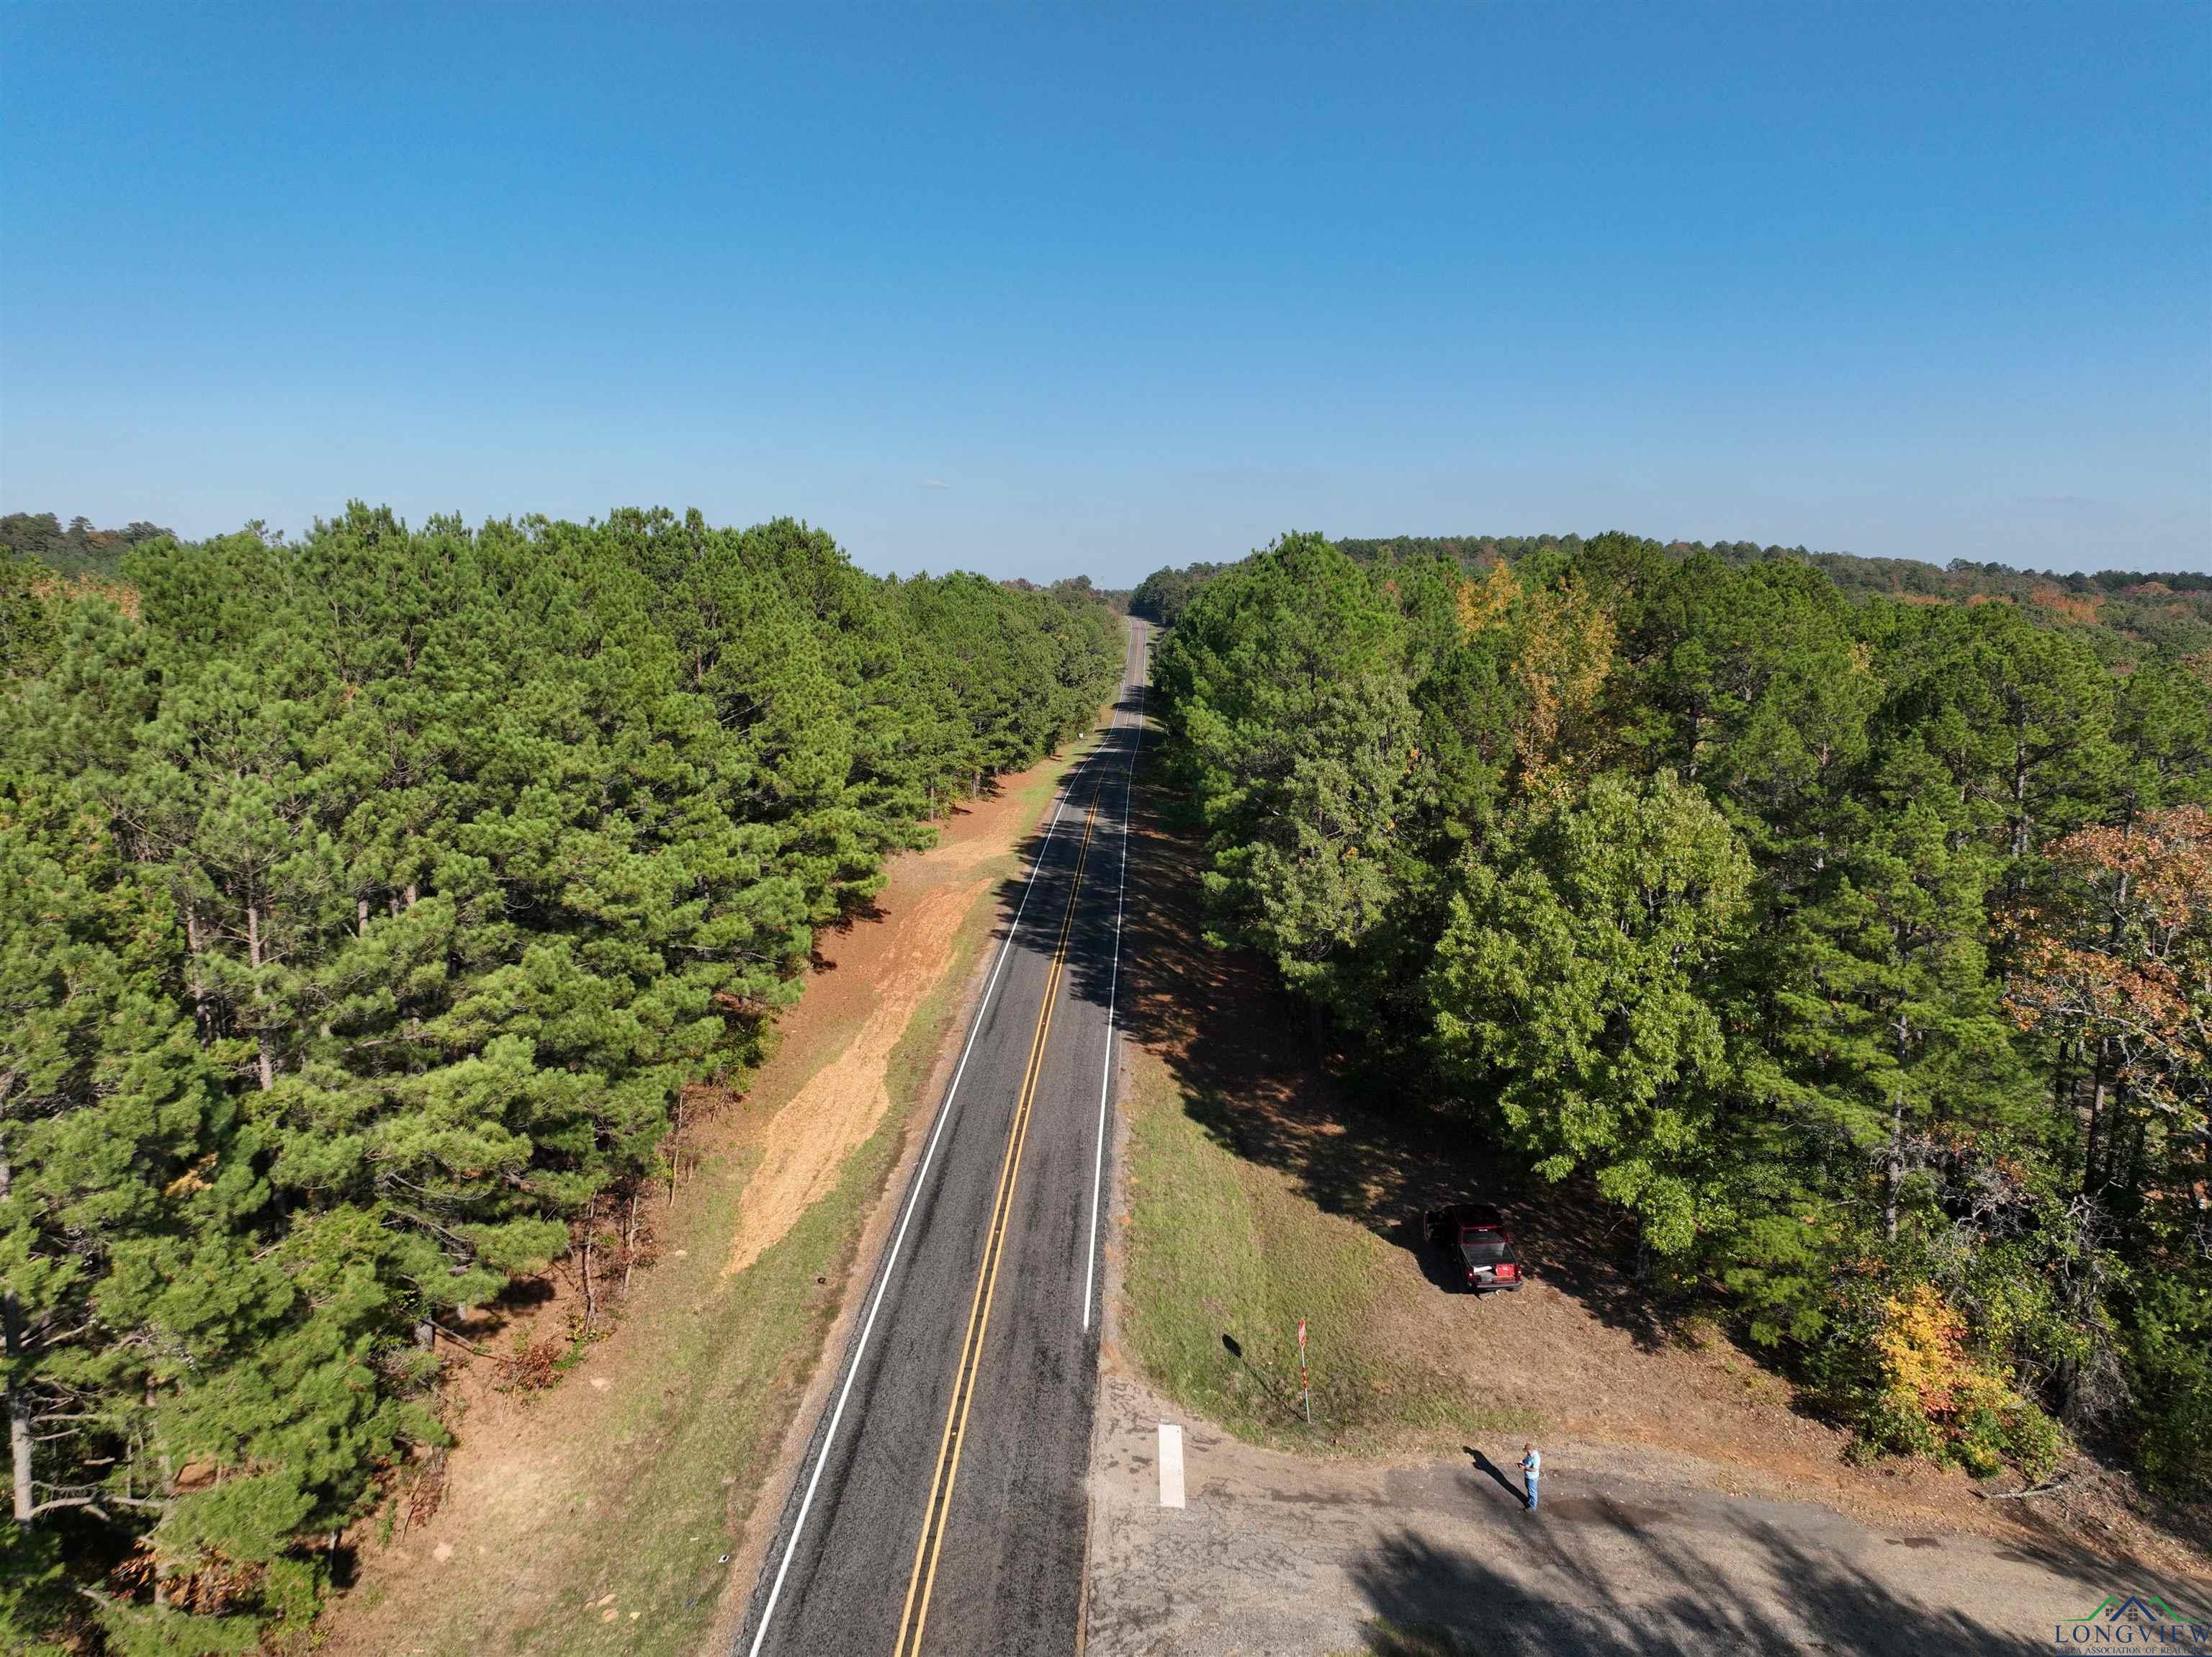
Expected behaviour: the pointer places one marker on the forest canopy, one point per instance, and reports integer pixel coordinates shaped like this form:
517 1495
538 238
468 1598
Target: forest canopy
2123 614
1857 951
367 903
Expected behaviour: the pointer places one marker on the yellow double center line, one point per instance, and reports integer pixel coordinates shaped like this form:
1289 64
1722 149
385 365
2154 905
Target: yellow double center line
924 1579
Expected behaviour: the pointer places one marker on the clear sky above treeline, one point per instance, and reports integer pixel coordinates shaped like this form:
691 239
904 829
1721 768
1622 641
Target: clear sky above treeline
1034 290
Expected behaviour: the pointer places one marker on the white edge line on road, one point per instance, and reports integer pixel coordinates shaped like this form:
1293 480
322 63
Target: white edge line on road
914 1198
1170 1464
1113 986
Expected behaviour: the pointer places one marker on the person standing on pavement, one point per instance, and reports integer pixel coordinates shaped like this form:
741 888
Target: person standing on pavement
1531 1465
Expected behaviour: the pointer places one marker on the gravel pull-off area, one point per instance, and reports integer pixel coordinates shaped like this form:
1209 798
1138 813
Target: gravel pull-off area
1280 1554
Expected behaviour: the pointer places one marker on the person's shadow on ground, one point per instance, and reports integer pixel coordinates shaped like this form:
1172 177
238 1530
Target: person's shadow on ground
1483 1463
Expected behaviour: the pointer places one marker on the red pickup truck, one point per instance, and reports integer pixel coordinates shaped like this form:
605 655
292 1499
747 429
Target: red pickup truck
1476 1244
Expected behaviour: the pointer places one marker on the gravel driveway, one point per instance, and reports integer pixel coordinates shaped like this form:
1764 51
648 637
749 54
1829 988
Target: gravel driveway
1276 1554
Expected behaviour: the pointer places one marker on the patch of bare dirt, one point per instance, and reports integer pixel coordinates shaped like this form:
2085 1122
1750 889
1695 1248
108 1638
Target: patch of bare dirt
1584 1344
840 1105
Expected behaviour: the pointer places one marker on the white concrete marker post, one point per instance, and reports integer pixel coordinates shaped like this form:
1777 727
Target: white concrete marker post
1170 1464
1305 1387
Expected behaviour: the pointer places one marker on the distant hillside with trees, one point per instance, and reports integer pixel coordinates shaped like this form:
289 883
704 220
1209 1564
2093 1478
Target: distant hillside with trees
1165 594
2123 614
77 548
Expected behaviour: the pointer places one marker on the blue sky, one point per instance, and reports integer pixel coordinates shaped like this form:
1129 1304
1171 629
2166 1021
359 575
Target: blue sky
1039 289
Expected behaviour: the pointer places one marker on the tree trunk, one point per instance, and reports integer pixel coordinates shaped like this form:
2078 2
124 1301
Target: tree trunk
675 1149
19 1399
261 1034
1903 1031
591 1301
2092 1146
1896 1169
2062 1087
192 942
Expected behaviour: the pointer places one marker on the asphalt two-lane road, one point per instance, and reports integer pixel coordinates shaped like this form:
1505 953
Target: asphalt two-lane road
941 1506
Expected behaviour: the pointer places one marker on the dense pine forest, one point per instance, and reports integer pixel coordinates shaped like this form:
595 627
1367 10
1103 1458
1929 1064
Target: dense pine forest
366 904
1857 950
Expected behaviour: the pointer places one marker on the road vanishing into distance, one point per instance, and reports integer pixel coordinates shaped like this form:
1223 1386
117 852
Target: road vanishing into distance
941 1506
